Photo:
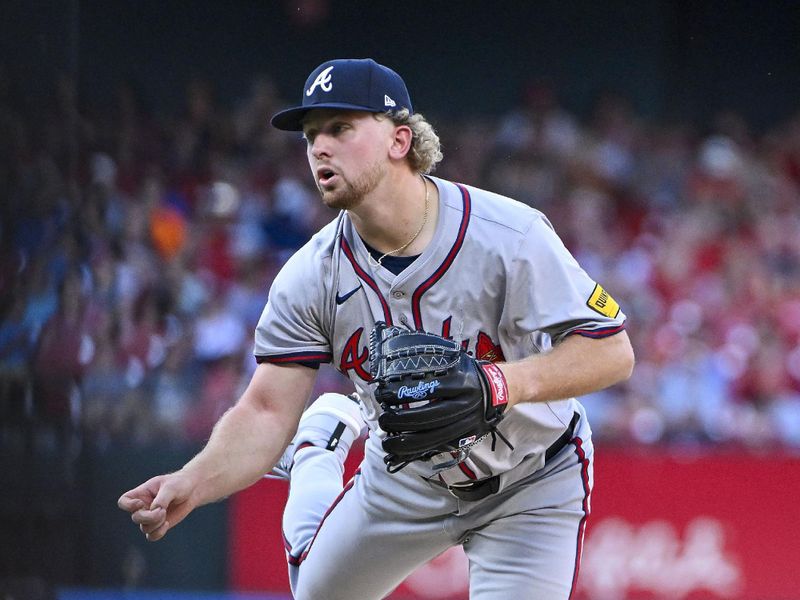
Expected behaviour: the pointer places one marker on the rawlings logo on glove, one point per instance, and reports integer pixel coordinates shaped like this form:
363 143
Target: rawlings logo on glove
419 391
463 398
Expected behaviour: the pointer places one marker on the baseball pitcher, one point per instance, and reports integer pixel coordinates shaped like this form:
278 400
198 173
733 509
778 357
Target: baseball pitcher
467 329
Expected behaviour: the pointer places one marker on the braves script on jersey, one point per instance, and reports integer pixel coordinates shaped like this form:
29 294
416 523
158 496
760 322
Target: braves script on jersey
496 277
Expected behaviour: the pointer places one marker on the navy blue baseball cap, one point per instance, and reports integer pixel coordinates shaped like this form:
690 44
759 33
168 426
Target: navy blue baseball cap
350 84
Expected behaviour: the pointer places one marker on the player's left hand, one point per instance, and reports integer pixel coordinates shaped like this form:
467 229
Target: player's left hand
435 397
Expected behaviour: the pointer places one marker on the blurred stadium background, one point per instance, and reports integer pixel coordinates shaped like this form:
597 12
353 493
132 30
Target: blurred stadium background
146 206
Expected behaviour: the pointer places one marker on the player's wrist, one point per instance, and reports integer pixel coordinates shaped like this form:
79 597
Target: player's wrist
199 488
496 386
515 378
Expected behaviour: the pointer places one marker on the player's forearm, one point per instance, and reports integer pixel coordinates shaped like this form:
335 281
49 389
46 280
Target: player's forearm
577 366
249 439
245 444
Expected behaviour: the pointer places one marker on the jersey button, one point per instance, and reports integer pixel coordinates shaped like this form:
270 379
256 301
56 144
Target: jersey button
397 294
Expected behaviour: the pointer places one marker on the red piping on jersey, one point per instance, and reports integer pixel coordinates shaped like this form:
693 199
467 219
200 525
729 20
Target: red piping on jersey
286 545
467 471
321 357
416 298
587 491
387 315
599 333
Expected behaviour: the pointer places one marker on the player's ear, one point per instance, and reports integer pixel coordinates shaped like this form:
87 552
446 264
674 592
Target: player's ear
401 142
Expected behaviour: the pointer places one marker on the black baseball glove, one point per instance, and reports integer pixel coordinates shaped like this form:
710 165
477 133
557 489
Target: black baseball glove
435 397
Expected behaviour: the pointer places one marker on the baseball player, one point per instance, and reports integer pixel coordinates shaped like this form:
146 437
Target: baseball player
467 329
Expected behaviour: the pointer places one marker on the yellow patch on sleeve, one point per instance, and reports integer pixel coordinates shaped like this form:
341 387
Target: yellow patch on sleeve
603 303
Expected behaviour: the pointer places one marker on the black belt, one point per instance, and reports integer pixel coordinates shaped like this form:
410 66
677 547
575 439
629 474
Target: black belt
480 489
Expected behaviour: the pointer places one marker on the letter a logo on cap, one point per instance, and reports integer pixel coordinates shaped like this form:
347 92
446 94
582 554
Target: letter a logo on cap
323 80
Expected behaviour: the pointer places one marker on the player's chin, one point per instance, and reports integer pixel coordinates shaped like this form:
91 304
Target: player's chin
339 199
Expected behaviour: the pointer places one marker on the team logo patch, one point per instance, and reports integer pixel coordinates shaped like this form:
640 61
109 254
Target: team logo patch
601 302
354 355
419 391
323 80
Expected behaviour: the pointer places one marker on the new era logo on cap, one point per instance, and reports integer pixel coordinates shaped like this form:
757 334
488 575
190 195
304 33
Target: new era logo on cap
347 84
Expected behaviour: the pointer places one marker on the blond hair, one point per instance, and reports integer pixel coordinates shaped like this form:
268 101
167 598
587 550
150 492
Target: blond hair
426 149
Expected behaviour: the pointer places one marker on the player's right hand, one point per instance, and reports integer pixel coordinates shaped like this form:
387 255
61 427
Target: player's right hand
159 504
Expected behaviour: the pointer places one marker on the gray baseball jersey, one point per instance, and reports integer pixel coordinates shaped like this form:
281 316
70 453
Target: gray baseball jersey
496 277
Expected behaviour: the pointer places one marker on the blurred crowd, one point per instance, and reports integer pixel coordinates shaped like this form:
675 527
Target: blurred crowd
137 250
